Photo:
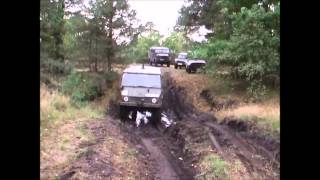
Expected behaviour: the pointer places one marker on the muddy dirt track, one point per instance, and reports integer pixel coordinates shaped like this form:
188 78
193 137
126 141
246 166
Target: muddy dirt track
170 154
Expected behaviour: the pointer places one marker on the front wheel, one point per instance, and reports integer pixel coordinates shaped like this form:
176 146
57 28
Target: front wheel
156 117
123 113
175 66
188 70
168 64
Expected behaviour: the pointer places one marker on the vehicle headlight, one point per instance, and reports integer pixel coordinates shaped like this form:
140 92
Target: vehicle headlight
153 100
125 98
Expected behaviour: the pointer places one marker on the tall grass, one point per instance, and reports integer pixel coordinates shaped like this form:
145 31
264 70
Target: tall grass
266 114
56 108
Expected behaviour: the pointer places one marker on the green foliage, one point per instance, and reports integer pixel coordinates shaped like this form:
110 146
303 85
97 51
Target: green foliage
110 77
138 51
177 42
75 45
52 28
255 45
90 40
256 90
82 87
54 67
252 46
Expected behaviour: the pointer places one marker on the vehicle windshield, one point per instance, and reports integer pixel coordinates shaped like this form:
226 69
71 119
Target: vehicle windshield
182 56
141 80
165 51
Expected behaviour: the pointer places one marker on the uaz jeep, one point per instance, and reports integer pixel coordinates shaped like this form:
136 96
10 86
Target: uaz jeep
181 60
159 55
141 89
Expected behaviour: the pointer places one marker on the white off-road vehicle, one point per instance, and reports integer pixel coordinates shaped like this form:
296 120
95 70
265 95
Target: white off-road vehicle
193 65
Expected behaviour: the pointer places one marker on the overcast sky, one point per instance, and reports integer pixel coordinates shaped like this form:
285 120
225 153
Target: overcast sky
163 13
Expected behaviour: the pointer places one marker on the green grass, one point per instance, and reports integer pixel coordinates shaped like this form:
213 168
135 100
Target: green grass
222 86
214 168
131 153
270 124
56 109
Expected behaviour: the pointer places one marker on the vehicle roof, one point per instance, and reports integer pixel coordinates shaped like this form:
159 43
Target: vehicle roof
159 48
137 69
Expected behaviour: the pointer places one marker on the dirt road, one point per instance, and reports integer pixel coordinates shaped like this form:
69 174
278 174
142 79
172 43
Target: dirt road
176 152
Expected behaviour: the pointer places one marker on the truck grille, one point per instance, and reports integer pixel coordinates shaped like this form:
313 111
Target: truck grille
140 99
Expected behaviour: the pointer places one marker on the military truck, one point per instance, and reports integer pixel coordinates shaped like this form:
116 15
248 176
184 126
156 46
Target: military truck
141 90
181 60
159 55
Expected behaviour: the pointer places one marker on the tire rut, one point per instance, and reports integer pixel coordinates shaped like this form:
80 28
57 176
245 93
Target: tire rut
255 157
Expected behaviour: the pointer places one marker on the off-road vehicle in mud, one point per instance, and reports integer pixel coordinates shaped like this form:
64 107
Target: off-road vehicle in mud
159 55
193 65
141 89
181 60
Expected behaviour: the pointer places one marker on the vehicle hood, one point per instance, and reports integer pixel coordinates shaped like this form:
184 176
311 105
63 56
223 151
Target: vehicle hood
141 92
196 62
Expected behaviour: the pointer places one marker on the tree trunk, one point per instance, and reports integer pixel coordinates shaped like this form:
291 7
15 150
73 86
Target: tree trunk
96 57
90 53
110 40
58 35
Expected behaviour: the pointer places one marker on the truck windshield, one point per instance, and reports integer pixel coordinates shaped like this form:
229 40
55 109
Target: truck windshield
141 80
164 51
182 56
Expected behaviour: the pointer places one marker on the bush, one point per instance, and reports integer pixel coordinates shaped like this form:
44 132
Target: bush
54 66
45 78
252 51
256 90
110 77
82 88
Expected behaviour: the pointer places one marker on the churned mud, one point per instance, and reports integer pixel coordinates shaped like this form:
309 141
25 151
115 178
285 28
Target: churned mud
174 152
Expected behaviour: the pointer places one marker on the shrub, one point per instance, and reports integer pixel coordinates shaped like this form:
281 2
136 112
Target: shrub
256 90
55 67
82 87
110 77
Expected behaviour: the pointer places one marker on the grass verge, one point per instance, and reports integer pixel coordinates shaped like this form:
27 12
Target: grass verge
213 167
56 108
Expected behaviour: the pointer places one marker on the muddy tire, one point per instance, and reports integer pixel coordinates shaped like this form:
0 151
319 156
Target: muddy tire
176 66
123 113
134 115
188 70
156 116
168 64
